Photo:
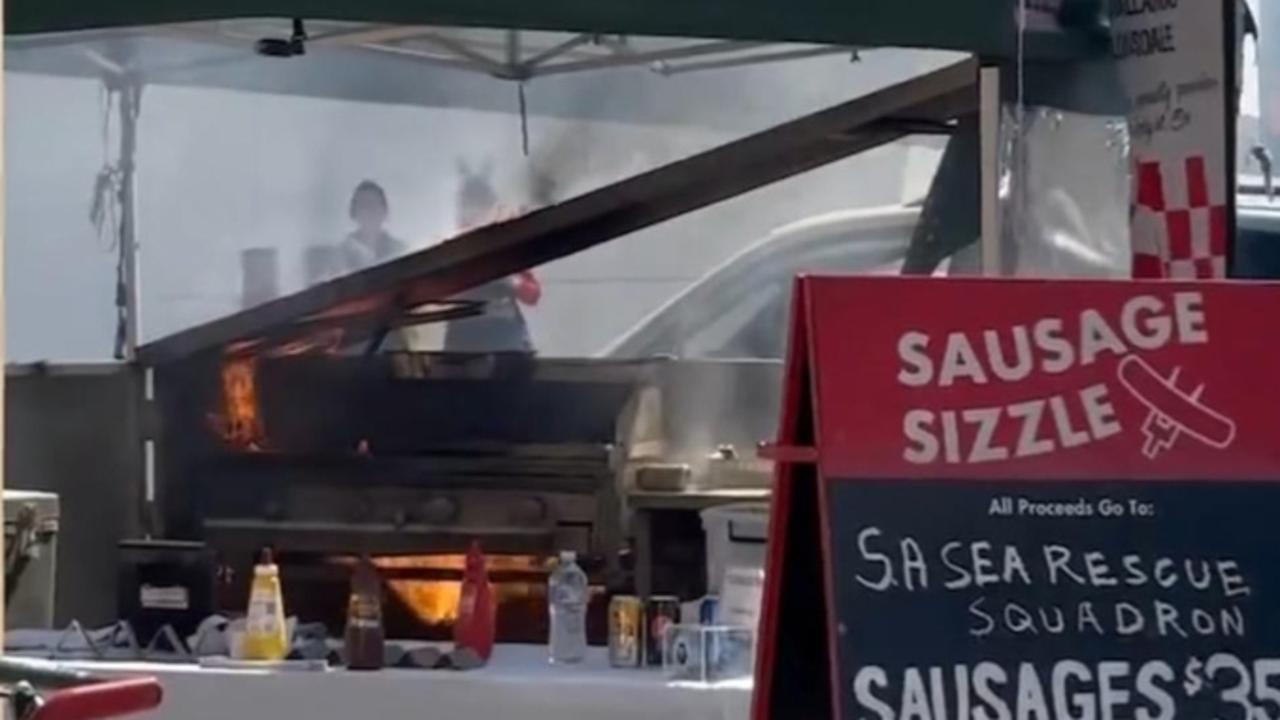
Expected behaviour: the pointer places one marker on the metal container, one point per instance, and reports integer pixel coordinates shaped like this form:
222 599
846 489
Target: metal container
663 477
626 631
259 276
164 582
661 612
320 263
727 469
31 547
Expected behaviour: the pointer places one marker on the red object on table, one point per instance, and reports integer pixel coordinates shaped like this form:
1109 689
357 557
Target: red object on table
112 698
528 289
477 614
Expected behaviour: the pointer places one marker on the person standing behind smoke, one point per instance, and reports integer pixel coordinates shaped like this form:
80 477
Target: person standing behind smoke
502 326
370 243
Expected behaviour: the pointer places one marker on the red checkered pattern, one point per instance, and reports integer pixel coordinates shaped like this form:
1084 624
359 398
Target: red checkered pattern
1179 230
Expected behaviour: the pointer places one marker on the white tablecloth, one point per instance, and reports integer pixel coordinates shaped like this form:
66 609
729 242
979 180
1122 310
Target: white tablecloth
518 684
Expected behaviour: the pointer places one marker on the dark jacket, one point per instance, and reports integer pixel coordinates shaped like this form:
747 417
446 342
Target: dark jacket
356 255
501 328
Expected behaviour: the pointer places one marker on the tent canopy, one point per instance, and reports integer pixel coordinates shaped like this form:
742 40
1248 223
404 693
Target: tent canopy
986 27
437 66
377 50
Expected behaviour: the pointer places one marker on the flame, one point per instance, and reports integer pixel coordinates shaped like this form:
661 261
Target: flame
351 308
322 342
240 423
435 602
326 342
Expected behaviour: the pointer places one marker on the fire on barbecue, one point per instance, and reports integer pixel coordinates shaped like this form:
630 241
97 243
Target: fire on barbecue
435 602
240 422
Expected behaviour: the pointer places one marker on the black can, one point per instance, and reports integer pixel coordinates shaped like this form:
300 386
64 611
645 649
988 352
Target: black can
660 612
708 610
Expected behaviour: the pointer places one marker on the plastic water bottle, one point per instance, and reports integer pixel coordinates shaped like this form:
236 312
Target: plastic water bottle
567 595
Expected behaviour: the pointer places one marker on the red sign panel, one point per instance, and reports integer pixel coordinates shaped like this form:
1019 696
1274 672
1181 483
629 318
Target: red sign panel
1050 379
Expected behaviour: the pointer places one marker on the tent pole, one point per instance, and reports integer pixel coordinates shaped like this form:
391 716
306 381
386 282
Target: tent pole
129 290
128 280
3 349
989 134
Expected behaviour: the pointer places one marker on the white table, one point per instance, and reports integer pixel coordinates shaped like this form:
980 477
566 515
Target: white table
518 684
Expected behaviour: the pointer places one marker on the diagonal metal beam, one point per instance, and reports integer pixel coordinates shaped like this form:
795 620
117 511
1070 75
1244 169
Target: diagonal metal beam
662 67
461 49
599 216
371 34
426 57
557 50
640 58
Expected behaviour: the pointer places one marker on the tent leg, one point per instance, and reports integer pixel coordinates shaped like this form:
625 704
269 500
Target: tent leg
128 278
3 349
129 290
989 133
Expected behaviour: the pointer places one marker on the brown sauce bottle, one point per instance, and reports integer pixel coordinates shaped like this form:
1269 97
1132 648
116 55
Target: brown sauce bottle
365 640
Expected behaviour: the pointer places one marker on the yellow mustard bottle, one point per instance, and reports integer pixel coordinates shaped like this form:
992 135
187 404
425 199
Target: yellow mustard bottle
265 635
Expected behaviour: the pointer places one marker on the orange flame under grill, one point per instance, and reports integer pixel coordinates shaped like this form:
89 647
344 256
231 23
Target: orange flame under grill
435 602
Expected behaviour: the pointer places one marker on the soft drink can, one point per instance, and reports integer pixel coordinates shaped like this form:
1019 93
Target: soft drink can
661 612
626 631
709 610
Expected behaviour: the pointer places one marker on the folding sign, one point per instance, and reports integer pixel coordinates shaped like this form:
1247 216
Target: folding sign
1015 500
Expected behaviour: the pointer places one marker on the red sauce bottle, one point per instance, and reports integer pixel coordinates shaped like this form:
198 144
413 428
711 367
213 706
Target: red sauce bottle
364 640
477 610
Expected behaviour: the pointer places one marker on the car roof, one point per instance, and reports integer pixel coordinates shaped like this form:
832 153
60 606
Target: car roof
796 239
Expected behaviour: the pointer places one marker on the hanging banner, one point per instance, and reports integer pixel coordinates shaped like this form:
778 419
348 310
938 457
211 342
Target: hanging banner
1177 62
1012 499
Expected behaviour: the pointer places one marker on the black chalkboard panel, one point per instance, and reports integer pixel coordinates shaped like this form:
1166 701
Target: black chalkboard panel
1012 600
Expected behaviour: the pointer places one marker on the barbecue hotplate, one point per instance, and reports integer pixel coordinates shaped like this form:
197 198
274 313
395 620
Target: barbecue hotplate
398 454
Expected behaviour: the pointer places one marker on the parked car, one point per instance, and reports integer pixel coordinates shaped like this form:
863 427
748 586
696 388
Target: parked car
1257 235
739 310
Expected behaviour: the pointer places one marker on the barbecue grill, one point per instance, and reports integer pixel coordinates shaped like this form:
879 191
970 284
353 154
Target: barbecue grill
398 455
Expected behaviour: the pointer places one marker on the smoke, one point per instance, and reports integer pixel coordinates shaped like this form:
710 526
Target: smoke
593 298
572 119
222 171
